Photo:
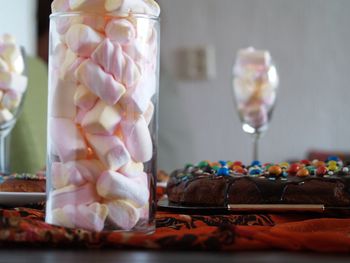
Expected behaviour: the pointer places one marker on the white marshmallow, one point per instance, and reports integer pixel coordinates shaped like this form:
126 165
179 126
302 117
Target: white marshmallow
62 99
113 5
101 119
137 139
73 195
5 116
11 53
82 39
110 150
112 58
149 7
132 169
123 214
138 98
87 5
90 169
67 140
99 82
121 31
84 98
148 115
69 64
114 185
11 99
13 81
91 217
64 174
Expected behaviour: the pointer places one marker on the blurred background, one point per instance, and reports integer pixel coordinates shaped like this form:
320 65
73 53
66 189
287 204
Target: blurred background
308 39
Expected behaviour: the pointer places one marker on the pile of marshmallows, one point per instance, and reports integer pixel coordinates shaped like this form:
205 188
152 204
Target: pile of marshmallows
13 83
255 83
103 78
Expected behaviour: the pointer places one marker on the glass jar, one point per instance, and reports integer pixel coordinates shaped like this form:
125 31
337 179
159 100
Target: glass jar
102 121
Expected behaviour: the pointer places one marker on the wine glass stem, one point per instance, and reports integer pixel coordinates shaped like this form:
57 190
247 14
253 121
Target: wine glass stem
256 146
4 153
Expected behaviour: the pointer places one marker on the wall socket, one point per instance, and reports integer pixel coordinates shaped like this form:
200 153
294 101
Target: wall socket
197 63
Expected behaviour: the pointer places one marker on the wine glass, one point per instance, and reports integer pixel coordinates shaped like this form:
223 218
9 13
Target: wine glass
13 86
255 84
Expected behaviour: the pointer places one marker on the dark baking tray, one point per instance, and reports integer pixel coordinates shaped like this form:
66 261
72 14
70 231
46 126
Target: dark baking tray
318 209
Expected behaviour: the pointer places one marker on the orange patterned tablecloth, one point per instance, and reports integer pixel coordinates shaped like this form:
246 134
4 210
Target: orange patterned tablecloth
21 227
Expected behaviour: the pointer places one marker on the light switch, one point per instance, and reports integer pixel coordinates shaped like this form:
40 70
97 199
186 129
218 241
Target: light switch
197 63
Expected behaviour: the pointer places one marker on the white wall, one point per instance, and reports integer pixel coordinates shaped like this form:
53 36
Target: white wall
310 41
17 17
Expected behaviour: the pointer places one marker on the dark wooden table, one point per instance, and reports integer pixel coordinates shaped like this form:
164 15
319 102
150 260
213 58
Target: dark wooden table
84 256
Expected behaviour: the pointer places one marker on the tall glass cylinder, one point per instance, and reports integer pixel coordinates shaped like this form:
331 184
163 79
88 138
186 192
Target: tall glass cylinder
102 121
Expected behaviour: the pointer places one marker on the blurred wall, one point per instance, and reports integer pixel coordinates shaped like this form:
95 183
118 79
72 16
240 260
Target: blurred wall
17 17
309 39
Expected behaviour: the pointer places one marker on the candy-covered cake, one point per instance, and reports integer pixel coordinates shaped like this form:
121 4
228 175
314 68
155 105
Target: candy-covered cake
222 183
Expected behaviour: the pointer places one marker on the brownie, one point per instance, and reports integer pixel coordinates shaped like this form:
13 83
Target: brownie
219 184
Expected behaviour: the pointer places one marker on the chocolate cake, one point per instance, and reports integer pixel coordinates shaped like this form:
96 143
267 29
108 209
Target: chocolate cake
23 183
223 183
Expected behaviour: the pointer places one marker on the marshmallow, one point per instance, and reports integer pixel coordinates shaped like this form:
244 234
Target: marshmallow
88 5
11 53
149 7
73 195
132 169
59 55
13 81
64 174
90 169
148 115
138 98
5 116
62 99
113 185
90 217
123 214
112 58
67 140
113 5
3 65
82 39
110 150
80 116
98 23
101 119
121 31
69 64
11 99
99 82
84 99
137 139
60 6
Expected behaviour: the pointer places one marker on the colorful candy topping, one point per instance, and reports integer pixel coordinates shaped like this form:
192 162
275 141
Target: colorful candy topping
305 168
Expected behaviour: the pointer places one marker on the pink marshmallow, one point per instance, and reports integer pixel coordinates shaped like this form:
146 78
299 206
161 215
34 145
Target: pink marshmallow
11 53
138 98
91 217
112 58
137 139
62 99
73 195
64 174
110 150
64 23
11 99
13 81
99 82
59 53
113 185
101 119
82 39
90 169
60 6
84 98
3 65
121 31
80 116
67 140
123 214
